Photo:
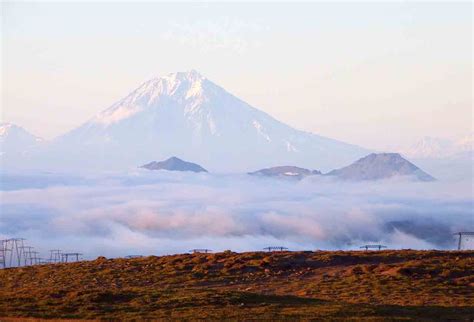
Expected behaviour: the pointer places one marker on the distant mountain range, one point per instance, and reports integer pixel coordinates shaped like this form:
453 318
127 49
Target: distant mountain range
371 167
174 164
183 114
440 148
186 114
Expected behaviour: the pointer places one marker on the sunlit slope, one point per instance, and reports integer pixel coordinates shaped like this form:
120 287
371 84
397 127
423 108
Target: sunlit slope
397 284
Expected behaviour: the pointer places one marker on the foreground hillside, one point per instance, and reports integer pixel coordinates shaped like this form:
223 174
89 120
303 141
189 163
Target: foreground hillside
404 284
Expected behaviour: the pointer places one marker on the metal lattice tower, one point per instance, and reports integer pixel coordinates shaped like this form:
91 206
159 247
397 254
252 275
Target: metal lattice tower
34 258
200 250
12 252
275 248
55 256
378 247
3 262
133 256
7 251
27 255
65 257
464 237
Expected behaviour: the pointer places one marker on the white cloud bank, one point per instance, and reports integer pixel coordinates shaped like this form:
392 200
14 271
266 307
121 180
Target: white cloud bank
163 213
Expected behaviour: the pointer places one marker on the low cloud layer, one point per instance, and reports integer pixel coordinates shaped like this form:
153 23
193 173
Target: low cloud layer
163 213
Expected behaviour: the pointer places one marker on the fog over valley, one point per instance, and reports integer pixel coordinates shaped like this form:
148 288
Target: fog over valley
162 212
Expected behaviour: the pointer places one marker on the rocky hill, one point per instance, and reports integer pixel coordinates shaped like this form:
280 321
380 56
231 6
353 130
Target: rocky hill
174 164
285 172
378 166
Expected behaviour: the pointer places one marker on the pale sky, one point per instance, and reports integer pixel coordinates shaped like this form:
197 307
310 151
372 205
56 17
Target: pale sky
376 75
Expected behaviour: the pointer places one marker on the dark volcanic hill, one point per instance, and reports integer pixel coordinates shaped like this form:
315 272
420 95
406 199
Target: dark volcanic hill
174 164
285 172
377 166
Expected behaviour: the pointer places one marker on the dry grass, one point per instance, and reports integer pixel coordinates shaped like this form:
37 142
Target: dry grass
420 285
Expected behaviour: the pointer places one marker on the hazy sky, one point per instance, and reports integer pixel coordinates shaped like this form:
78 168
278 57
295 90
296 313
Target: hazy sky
376 75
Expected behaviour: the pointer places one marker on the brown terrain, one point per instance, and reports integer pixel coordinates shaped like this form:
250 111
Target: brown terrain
373 285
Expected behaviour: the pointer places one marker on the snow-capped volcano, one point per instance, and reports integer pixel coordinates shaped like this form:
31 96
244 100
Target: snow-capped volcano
188 115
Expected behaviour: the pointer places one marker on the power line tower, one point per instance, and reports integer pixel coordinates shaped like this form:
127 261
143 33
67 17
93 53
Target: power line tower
12 249
3 262
200 250
55 256
65 257
378 247
27 255
42 261
464 238
133 256
7 252
34 258
275 248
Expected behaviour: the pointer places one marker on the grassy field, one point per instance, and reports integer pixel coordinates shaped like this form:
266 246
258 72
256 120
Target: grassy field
390 285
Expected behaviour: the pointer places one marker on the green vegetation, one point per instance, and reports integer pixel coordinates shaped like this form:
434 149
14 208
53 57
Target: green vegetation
419 285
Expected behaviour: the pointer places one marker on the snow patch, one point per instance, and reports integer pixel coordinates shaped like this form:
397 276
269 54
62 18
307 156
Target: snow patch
260 130
114 116
290 147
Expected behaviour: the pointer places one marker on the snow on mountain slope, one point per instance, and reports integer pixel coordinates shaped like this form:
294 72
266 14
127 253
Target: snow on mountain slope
186 114
15 140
